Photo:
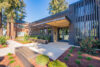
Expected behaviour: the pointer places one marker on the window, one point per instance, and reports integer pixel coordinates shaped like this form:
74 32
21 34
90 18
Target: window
20 26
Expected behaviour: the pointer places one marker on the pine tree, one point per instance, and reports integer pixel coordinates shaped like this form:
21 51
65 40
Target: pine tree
13 10
3 5
56 6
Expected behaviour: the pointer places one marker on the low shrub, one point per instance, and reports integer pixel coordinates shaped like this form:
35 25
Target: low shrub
2 40
68 55
87 46
88 58
57 63
77 61
9 54
80 57
73 47
12 61
71 50
26 37
42 60
44 37
96 43
4 45
11 58
34 37
66 58
47 38
79 53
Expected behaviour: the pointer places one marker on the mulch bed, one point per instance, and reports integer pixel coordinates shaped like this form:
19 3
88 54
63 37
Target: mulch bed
4 61
84 63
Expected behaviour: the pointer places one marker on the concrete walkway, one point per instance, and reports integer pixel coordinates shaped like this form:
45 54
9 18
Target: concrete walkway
53 50
11 47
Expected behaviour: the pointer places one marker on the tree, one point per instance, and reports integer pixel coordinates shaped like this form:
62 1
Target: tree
56 6
3 5
13 13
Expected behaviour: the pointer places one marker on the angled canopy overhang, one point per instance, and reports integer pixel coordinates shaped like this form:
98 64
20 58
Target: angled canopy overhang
57 20
61 22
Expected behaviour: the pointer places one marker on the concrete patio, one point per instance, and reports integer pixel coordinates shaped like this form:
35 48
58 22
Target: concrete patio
53 50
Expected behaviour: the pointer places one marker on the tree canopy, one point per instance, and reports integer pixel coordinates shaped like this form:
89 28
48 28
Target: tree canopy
56 6
11 10
15 10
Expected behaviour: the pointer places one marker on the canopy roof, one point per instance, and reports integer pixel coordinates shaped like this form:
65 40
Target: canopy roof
57 20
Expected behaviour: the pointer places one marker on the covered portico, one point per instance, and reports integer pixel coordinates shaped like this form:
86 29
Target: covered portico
61 23
55 22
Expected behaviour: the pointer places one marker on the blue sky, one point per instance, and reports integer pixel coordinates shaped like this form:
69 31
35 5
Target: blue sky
38 9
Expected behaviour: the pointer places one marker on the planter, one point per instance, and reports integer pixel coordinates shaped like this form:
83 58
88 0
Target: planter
39 41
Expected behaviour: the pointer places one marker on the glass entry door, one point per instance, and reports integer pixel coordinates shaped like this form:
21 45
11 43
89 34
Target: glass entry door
63 34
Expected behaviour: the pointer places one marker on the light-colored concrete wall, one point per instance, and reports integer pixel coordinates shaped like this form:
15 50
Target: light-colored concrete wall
55 34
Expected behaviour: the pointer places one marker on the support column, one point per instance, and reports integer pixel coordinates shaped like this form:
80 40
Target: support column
55 34
72 34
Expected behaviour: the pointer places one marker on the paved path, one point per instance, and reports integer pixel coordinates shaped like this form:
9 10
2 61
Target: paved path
11 47
53 50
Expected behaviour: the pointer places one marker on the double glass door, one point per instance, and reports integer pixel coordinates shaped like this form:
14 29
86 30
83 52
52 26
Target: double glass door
63 34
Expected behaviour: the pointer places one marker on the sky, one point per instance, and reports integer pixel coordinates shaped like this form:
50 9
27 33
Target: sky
38 9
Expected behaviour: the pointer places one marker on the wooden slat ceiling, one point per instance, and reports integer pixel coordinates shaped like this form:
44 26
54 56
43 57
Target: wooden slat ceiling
59 23
40 26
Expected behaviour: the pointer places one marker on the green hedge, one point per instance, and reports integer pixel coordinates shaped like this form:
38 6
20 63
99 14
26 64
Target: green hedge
44 37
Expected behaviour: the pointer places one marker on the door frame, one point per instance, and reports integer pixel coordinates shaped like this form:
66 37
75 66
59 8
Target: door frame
62 35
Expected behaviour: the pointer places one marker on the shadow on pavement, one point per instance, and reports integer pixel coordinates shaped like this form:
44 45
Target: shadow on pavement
1 58
2 66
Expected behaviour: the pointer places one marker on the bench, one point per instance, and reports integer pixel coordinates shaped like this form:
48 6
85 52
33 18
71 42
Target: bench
25 55
39 41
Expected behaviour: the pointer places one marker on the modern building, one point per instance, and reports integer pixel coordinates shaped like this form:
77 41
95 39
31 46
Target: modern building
79 21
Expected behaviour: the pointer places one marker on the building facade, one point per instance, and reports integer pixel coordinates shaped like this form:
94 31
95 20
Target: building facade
86 19
18 29
21 29
79 21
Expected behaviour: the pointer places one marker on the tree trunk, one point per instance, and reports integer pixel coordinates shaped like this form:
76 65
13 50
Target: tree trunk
8 29
1 29
12 29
